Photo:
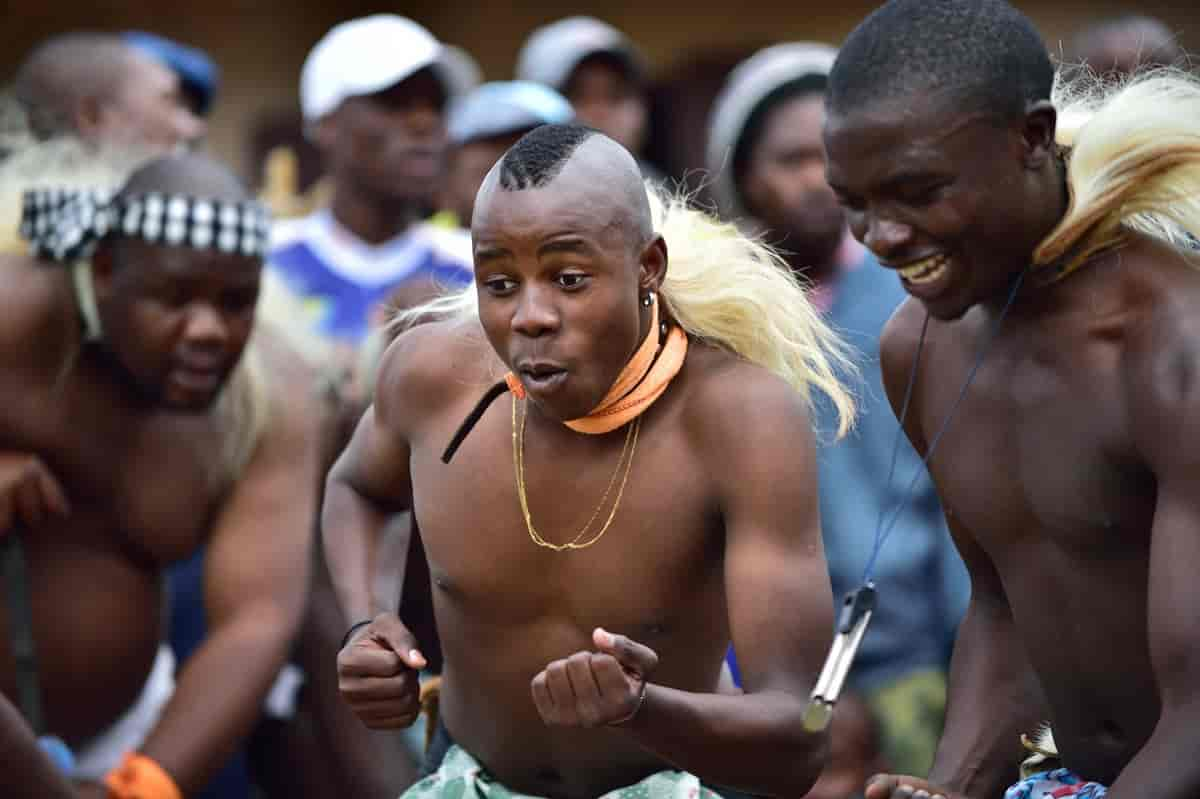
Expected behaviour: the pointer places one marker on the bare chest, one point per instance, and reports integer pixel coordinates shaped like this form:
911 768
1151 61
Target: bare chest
1038 469
144 482
639 513
1039 452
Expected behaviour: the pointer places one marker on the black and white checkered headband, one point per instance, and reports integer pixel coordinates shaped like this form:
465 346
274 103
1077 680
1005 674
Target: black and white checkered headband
65 225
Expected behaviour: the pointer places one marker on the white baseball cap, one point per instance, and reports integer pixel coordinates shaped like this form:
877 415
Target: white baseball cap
552 52
746 89
366 55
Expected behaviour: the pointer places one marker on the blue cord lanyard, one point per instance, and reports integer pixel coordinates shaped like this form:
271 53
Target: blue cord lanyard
859 604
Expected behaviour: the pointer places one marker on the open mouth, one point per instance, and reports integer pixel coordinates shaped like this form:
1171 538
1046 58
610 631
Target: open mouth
542 377
926 270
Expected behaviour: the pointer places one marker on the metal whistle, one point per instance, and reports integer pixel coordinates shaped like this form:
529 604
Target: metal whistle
852 625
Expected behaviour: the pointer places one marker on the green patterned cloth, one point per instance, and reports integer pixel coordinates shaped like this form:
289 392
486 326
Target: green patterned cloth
461 777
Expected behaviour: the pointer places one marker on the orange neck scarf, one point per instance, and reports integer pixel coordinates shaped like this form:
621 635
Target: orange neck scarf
640 383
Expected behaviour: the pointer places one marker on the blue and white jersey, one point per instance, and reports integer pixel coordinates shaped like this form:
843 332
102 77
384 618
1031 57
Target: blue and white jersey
341 280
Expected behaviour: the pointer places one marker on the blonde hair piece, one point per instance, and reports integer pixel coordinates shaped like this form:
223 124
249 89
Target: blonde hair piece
1133 163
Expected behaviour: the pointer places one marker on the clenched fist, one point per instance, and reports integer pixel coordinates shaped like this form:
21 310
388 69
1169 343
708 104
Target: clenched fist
594 689
377 674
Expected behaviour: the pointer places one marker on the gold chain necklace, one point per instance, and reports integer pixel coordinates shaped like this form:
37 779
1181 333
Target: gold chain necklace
518 436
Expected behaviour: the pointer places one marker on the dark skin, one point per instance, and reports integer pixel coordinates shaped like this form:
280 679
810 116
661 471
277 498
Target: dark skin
133 440
324 749
146 106
606 97
107 93
853 751
1068 474
784 187
30 774
384 154
709 544
469 164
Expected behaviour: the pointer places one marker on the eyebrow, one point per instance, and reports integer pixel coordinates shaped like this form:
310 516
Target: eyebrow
572 244
894 182
486 252
913 176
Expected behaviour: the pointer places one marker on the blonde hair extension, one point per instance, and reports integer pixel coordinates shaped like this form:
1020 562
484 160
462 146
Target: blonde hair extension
728 290
1133 163
245 404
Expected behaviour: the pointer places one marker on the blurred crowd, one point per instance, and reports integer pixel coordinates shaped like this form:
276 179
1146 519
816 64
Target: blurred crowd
406 130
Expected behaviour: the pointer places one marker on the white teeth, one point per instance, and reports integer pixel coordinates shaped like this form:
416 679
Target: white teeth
925 270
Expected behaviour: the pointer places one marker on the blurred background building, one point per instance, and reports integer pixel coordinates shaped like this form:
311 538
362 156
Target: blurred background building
689 46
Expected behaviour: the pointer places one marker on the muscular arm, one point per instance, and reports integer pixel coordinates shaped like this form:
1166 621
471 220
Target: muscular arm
1164 395
779 599
370 482
994 695
255 587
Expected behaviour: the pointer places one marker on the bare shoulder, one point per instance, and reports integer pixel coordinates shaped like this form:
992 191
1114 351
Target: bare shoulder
1161 357
32 309
900 338
429 366
734 406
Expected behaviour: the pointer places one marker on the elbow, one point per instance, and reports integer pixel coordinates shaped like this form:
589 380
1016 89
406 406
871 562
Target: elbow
270 629
798 756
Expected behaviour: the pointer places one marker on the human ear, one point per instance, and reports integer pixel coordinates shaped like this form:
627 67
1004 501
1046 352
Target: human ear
653 265
1037 133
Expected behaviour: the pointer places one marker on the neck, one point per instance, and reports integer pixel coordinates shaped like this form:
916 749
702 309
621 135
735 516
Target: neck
372 218
99 366
1040 288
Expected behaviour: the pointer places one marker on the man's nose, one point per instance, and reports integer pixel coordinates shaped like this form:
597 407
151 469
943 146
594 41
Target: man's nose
535 314
205 326
886 237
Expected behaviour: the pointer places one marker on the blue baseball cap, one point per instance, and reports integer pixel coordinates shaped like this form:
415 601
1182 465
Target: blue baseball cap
502 107
197 72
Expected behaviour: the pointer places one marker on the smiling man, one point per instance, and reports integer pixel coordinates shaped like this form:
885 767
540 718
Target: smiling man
1046 244
645 495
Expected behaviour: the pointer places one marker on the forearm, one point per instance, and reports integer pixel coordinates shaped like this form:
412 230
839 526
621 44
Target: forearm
219 696
372 763
994 697
751 742
350 532
28 772
1166 767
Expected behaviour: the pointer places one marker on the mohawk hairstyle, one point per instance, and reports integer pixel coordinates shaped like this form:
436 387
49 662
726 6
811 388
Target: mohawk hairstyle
539 155
981 55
